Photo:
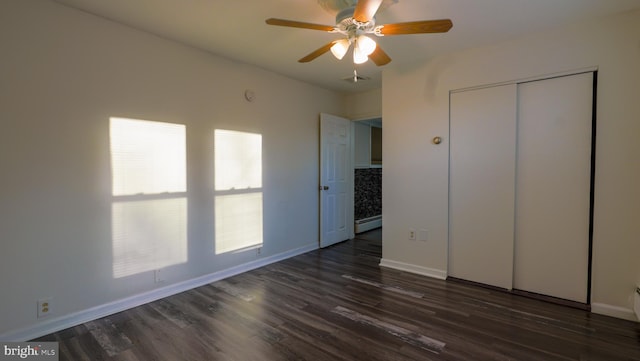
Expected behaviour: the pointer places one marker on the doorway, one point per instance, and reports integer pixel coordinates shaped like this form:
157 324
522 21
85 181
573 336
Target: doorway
350 172
367 174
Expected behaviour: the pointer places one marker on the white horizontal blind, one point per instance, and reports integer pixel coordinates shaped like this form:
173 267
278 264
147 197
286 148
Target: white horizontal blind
149 209
238 157
238 185
147 157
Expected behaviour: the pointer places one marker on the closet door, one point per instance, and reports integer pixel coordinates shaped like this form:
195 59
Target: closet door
553 187
482 185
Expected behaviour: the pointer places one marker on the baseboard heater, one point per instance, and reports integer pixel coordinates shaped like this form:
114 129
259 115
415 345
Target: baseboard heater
367 224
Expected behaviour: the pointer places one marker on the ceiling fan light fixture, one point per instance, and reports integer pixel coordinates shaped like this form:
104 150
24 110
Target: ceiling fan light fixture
355 19
339 49
366 44
358 56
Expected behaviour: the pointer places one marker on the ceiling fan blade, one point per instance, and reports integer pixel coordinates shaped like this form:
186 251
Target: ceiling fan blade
366 9
417 27
298 24
379 57
316 53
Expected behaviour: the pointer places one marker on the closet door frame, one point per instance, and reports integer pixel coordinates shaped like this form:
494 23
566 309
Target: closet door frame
594 71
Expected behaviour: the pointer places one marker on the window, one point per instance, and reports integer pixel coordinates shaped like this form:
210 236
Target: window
149 209
238 185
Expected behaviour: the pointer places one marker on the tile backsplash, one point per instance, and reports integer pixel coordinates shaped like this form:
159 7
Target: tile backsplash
367 192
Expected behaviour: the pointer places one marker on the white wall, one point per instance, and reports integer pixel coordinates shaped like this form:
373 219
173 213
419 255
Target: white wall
63 73
364 105
415 186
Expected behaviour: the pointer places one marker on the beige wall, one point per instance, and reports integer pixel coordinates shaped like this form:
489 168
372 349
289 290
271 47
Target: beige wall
364 105
63 73
415 184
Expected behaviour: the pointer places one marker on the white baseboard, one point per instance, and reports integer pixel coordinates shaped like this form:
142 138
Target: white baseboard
599 308
614 311
74 319
407 267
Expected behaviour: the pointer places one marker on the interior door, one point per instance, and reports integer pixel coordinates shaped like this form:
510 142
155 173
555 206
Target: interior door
482 185
554 187
336 180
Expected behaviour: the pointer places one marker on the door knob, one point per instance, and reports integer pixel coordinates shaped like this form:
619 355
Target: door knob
324 188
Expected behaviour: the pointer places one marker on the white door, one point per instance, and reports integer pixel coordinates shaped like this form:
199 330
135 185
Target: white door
482 185
336 185
554 186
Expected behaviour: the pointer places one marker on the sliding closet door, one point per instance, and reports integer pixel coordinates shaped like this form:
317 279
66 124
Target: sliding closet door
553 187
482 182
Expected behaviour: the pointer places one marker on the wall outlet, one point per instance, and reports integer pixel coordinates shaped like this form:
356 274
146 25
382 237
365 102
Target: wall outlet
157 276
412 234
422 235
44 307
258 251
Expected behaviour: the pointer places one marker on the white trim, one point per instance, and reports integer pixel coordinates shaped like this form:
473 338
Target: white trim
614 311
411 268
599 308
76 318
589 69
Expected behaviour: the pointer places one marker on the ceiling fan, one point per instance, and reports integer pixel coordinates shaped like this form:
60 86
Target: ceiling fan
355 23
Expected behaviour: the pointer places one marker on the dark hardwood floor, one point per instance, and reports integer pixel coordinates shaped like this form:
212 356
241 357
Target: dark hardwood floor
338 304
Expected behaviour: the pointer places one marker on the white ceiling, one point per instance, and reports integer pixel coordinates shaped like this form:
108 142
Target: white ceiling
236 29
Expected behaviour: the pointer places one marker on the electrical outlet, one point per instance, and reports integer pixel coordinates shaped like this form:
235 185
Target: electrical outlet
258 251
157 276
44 307
422 235
412 234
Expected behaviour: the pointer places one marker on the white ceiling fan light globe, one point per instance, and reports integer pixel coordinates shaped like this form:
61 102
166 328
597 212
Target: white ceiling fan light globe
339 49
358 56
366 44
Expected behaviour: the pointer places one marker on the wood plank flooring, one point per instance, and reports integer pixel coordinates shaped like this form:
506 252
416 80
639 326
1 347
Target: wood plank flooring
338 304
